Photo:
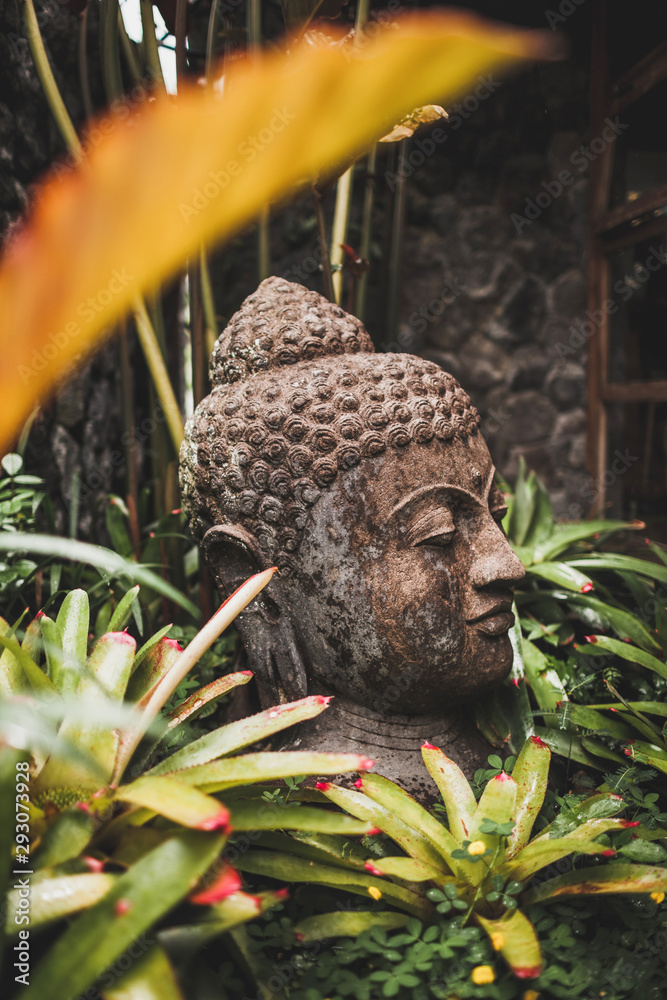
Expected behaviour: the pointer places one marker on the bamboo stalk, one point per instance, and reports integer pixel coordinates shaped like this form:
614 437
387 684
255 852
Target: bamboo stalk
339 231
158 370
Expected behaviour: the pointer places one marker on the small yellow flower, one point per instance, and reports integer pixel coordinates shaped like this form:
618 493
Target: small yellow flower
482 974
477 847
374 892
531 995
497 940
658 896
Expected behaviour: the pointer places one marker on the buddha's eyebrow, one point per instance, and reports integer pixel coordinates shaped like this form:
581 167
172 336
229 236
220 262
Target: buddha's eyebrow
434 491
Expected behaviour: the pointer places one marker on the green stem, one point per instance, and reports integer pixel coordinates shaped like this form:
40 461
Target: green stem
151 48
208 302
84 77
129 50
322 238
366 226
109 39
344 192
158 370
339 230
210 40
48 82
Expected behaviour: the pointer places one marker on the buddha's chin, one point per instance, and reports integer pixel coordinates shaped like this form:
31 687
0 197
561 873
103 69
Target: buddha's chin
493 656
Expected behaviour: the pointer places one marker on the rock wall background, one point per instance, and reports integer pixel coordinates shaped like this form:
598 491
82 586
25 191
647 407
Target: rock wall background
489 294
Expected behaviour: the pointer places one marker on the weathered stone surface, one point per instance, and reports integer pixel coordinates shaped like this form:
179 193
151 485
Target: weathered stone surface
569 294
484 363
365 479
566 385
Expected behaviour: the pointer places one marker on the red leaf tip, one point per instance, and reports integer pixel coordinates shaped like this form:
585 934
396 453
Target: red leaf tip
586 589
323 786
503 776
591 638
531 972
370 867
298 936
281 894
537 740
219 821
323 699
122 907
627 823
246 673
358 783
609 853
365 764
373 832
225 884
428 746
93 864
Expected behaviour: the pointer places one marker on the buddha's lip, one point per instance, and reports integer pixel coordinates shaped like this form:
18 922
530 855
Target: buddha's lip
502 608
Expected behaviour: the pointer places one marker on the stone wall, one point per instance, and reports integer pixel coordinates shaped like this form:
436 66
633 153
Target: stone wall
493 283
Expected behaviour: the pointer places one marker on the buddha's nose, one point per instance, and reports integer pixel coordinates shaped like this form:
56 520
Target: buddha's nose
494 560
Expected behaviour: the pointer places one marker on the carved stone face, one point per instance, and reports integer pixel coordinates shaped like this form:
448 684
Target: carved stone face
405 581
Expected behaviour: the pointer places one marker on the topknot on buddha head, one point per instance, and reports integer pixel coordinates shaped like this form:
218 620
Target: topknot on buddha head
283 324
298 397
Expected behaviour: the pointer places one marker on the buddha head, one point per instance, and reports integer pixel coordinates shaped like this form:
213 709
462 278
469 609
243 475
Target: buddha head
365 479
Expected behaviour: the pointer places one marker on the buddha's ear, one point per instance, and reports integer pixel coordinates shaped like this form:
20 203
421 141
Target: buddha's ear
232 555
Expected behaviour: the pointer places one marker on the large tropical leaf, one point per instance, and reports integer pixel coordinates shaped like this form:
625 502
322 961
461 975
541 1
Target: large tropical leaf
199 167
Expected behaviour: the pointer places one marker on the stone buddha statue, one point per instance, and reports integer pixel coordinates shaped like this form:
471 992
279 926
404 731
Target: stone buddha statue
365 479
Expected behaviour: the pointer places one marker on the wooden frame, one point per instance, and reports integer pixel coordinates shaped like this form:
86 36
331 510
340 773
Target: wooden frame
610 230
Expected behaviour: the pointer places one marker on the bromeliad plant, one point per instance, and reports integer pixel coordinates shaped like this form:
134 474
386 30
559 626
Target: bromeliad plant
580 580
478 867
107 830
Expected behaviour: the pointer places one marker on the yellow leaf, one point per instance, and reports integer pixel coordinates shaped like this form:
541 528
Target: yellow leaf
189 170
519 946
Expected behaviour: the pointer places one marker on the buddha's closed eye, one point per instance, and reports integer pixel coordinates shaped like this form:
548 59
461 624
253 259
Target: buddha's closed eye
439 538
